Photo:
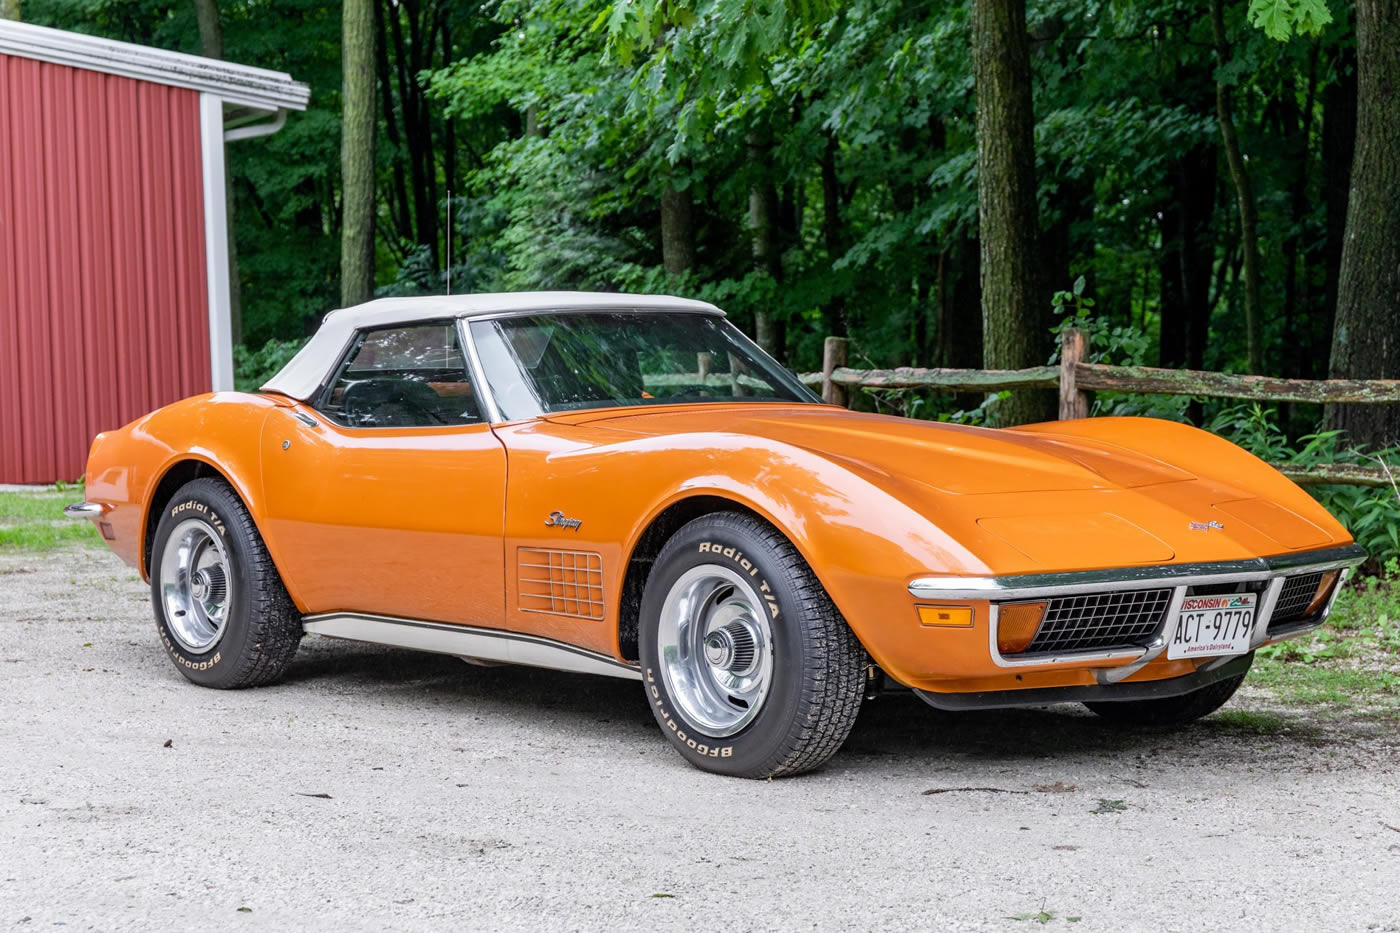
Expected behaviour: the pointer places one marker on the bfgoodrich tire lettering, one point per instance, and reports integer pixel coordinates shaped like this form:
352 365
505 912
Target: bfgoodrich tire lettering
222 613
748 600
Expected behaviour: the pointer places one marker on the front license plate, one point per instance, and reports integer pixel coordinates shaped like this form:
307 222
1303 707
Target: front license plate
1210 626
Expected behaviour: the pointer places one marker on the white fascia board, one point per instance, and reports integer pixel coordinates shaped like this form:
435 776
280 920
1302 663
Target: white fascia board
242 85
216 265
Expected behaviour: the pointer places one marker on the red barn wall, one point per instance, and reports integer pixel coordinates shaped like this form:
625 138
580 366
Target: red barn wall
103 300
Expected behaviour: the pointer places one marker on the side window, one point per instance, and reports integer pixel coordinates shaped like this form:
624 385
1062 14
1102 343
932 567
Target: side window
402 377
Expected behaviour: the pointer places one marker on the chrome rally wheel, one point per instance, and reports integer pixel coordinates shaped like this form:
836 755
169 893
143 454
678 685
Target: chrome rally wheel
716 649
748 667
194 585
223 615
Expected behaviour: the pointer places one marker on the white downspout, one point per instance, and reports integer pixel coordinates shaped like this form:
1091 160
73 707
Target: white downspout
211 135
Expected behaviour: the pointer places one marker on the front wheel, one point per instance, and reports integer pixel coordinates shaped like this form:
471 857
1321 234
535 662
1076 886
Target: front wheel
748 666
222 612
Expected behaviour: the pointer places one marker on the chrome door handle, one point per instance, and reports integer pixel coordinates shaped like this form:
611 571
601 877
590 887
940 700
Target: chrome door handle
305 419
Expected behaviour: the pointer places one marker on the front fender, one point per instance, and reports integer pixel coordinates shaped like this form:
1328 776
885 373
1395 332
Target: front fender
126 467
863 542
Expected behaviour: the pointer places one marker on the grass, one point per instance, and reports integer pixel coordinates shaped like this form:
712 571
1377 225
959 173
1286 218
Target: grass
1250 722
34 521
1351 662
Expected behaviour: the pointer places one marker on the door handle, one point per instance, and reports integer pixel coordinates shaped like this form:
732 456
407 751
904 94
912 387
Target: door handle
305 419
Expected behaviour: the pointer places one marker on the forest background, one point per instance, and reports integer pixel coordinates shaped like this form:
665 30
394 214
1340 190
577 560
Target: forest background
1210 184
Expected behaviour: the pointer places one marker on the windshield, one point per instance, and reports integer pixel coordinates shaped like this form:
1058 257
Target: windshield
602 359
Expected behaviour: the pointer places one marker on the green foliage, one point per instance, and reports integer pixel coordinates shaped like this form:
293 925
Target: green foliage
251 368
1281 18
1371 515
557 125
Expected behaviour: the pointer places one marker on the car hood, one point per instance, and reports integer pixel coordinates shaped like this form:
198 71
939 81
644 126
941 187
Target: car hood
952 459
1043 497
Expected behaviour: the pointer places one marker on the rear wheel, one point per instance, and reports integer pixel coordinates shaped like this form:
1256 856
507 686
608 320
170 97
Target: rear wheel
1170 711
222 612
748 666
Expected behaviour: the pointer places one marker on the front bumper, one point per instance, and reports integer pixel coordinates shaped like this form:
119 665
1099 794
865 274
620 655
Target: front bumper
1205 675
89 510
1112 665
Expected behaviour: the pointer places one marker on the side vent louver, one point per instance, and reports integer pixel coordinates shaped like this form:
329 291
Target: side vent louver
566 583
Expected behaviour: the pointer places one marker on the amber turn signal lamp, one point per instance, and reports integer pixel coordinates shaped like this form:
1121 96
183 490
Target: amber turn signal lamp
1017 625
958 616
1324 590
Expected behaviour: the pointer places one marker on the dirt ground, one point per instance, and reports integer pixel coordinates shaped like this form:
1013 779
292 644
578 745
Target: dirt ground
384 790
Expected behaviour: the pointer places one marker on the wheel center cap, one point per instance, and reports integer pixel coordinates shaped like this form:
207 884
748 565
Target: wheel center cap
719 648
199 584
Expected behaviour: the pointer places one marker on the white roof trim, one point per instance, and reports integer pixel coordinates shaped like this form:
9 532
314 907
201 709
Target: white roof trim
235 84
304 373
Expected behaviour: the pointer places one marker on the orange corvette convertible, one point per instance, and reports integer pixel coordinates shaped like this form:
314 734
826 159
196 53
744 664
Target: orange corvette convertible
626 485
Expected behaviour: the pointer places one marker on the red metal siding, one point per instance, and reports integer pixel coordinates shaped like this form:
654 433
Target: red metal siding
103 303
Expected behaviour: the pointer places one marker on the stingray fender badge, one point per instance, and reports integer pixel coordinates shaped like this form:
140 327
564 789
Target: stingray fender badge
1206 526
557 520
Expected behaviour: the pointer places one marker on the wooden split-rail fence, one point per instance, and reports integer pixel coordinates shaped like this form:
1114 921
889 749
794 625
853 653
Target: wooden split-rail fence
1075 378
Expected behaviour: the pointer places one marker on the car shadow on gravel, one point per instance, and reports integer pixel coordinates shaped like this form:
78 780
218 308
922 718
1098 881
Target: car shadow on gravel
897 725
900 724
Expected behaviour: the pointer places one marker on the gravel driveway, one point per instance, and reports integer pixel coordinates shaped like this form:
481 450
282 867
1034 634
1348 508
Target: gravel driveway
379 789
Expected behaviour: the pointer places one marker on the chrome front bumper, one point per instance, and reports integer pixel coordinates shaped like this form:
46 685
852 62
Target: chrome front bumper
1118 663
89 510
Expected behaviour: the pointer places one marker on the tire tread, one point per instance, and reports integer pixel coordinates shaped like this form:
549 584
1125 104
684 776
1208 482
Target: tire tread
273 618
833 685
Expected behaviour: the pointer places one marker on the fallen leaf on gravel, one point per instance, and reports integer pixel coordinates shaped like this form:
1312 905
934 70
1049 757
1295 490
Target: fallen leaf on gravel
245 910
1109 806
663 895
322 796
1392 828
168 743
972 790
87 644
1058 787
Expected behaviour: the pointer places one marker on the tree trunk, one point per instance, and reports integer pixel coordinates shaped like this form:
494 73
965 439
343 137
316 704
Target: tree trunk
9 9
769 332
1186 258
1244 193
834 311
400 209
1338 150
1366 343
1298 130
677 232
211 44
1015 324
357 153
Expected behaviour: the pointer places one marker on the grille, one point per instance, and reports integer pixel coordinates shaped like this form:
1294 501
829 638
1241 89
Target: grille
1293 599
566 583
1098 621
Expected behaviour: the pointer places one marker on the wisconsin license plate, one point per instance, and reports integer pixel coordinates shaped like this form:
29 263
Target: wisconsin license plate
1210 626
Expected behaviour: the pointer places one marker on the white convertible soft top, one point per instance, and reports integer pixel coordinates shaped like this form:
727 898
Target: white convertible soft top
306 371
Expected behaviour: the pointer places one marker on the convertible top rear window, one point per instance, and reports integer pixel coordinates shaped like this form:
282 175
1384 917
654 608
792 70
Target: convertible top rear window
561 362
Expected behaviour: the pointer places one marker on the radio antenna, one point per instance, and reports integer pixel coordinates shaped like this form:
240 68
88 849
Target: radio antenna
449 241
